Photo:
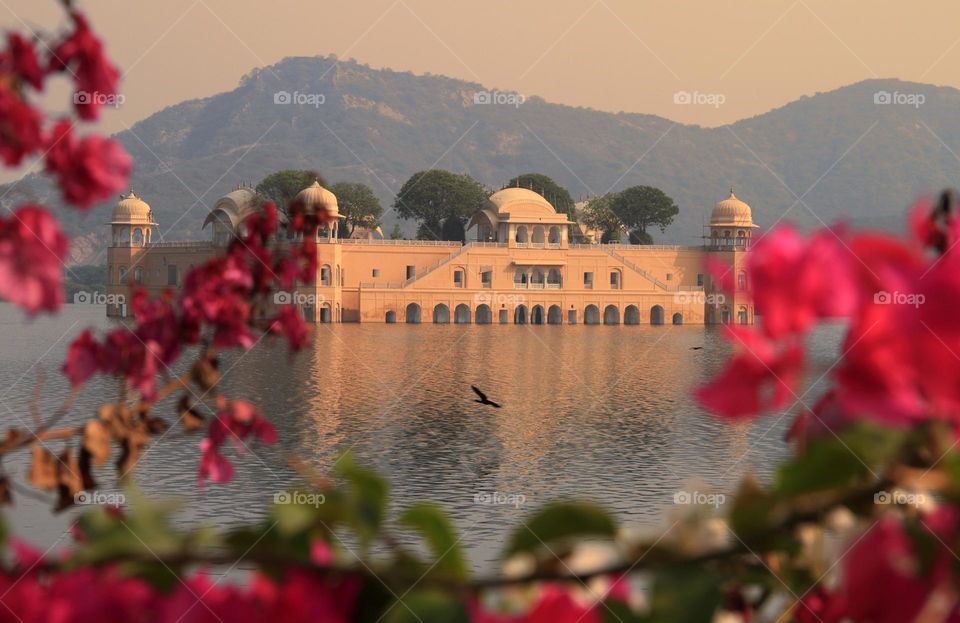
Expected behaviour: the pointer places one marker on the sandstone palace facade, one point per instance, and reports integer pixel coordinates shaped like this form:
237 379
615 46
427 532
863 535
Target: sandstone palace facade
519 266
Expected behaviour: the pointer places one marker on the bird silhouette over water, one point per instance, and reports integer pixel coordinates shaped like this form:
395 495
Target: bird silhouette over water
483 398
696 348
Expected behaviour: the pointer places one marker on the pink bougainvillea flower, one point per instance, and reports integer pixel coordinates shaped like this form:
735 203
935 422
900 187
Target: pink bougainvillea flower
760 377
213 465
21 59
88 170
794 282
290 324
95 77
887 579
32 251
241 419
21 131
83 359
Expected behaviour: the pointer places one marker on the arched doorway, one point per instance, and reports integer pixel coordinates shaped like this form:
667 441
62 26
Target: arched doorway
391 317
631 315
611 315
678 318
591 315
554 315
725 315
742 315
536 314
656 315
484 315
325 314
461 315
441 314
413 313
520 315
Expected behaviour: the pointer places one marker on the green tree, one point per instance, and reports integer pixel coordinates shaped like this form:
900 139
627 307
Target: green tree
433 197
598 214
642 207
281 187
396 233
358 205
553 192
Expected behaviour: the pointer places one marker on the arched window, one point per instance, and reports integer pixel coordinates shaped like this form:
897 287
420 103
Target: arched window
483 314
611 315
742 315
413 313
521 237
520 315
591 315
520 277
325 275
538 235
553 278
138 275
742 280
554 236
536 314
536 277
656 315
554 315
461 315
441 314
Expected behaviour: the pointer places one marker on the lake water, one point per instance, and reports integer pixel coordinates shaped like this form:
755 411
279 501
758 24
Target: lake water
591 411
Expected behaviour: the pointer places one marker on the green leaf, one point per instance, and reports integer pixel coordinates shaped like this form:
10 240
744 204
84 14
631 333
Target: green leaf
365 498
434 527
618 612
834 461
428 606
559 521
685 595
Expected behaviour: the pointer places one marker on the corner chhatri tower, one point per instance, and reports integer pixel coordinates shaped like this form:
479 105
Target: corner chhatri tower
519 268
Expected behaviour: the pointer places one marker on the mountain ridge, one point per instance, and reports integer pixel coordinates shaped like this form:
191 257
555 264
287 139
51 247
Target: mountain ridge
844 155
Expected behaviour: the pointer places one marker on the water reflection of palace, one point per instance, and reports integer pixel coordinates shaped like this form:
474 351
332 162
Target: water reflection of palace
522 266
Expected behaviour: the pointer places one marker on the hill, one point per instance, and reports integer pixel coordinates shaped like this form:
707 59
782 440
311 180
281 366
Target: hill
845 155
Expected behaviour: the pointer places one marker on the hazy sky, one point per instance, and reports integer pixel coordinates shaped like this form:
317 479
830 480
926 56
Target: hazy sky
629 55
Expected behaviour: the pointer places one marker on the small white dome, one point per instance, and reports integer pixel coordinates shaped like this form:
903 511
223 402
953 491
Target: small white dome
132 210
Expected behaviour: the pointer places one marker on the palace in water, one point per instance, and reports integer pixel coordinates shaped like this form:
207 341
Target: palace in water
521 265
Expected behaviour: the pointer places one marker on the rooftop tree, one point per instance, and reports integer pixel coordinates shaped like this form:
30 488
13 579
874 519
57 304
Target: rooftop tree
358 205
640 208
551 191
439 200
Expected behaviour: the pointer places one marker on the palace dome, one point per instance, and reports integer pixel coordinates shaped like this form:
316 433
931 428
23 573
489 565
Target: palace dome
731 211
132 210
316 196
232 209
519 203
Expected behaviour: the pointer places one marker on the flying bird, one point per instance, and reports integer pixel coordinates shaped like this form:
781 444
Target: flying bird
483 398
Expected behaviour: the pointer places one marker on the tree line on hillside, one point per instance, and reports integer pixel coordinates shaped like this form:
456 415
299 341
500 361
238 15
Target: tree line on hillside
442 202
